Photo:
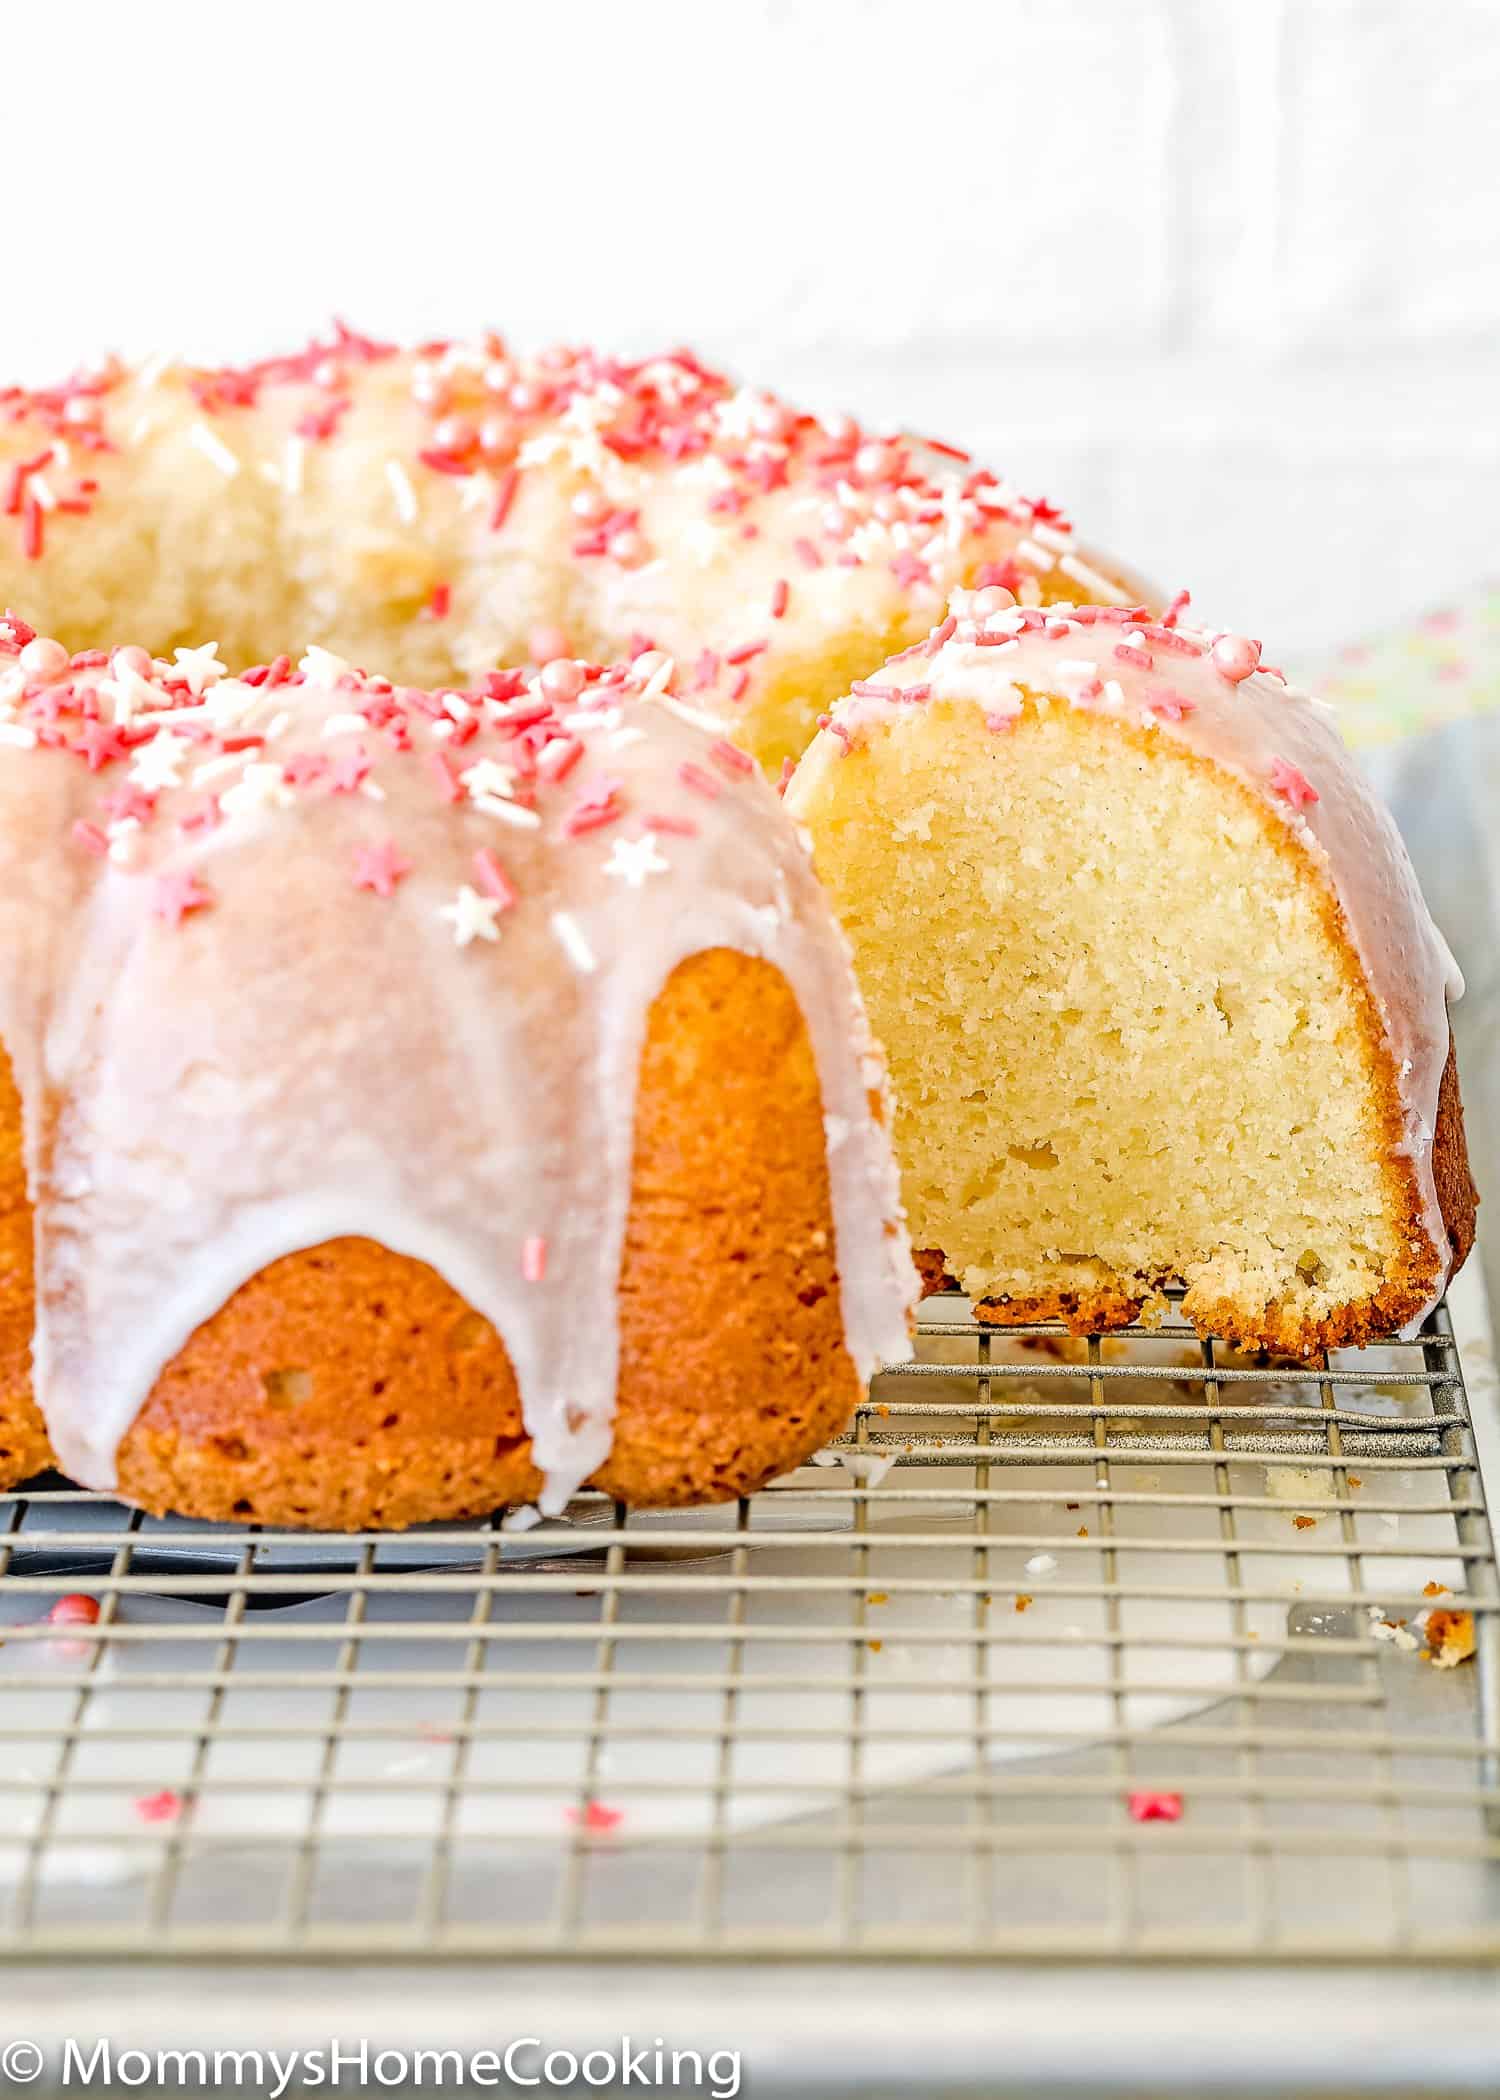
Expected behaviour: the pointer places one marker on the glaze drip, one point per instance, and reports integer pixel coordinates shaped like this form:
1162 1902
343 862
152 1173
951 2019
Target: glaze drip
302 954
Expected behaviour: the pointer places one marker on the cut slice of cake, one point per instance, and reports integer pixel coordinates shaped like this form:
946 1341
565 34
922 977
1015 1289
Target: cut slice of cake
1162 1001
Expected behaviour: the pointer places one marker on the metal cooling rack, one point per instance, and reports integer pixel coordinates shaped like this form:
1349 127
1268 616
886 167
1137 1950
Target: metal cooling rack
905 1703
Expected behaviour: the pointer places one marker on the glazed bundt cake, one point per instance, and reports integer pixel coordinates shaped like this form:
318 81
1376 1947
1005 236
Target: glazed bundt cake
416 1101
443 510
1160 994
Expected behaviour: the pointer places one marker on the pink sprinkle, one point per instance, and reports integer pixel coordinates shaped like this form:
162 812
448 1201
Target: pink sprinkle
739 685
348 771
534 1259
594 1816
1174 643
563 680
102 742
448 787
676 827
807 554
939 635
558 758
871 689
177 895
780 593
706 671
1234 657
1176 609
304 767
129 801
745 651
43 658
698 780
915 694
505 496
164 1807
1292 786
440 601
788 768
593 810
1128 653
1169 706
909 570
90 837
490 877
1147 1807
380 868
730 757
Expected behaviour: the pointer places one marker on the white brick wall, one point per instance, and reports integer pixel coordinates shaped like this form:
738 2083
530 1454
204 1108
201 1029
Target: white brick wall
1223 275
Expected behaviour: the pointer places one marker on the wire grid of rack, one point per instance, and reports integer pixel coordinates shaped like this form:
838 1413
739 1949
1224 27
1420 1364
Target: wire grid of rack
938 1695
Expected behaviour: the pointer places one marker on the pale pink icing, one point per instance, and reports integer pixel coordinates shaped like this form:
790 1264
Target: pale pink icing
299 1058
1203 690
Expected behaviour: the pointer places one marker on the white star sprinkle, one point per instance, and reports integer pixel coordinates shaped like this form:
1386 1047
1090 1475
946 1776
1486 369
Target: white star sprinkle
488 779
159 763
258 787
200 667
472 916
128 690
322 667
231 703
632 860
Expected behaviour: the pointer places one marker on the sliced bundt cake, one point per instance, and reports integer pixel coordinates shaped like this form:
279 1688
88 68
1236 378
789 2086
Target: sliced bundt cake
1161 997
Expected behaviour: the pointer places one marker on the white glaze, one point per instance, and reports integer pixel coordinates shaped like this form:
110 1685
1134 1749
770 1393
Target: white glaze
1244 726
305 1059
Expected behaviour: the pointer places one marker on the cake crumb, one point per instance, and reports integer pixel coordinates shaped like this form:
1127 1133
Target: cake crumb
1023 1602
1450 1638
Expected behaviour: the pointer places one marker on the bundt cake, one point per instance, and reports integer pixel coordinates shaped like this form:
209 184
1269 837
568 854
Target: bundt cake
417 1101
444 510
1160 994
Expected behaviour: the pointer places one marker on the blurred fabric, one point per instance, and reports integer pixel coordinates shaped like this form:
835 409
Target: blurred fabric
1421 704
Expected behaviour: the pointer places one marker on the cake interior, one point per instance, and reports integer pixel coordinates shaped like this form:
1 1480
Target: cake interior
1125 1044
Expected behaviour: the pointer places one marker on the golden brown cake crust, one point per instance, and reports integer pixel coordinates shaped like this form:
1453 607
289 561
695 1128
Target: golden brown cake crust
346 1387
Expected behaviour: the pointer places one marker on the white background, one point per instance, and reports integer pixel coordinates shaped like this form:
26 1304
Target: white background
1223 276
